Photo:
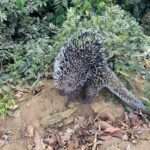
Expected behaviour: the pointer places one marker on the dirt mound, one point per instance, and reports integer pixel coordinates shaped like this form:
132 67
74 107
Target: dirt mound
46 111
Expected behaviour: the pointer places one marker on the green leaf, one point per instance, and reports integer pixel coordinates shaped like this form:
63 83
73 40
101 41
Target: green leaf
20 3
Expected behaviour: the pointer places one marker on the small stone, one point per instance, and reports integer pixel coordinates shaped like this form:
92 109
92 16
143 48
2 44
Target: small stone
134 141
125 137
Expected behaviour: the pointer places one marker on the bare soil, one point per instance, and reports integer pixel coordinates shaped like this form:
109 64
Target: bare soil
46 111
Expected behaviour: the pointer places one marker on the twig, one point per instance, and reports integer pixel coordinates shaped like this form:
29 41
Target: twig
95 142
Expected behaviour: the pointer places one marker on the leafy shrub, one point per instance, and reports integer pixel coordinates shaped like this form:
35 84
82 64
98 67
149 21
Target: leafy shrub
123 36
25 47
25 61
136 7
36 60
145 22
6 103
27 24
140 10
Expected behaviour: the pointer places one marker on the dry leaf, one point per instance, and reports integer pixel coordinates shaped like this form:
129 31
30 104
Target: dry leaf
19 94
112 130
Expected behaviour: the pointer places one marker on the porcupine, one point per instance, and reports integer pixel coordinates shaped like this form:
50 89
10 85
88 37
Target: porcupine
81 65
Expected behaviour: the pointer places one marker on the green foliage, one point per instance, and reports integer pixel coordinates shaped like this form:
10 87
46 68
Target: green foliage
20 3
135 7
88 7
6 103
26 30
26 60
145 22
53 10
31 65
124 38
140 9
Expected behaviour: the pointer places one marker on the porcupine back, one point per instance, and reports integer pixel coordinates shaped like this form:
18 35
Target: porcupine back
74 59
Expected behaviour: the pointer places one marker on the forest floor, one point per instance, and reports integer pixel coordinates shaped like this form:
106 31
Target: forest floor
43 122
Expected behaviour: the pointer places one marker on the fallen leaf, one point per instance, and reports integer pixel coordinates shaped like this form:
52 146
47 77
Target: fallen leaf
19 94
112 130
104 125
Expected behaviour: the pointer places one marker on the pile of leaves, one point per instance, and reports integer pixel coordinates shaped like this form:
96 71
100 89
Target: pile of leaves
33 31
88 132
